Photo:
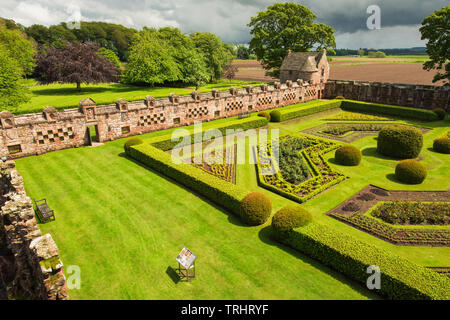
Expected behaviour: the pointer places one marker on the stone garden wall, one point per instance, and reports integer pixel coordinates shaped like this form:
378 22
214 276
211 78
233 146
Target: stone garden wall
407 95
51 130
30 267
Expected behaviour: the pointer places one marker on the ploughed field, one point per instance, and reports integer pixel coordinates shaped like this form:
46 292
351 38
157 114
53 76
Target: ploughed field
124 223
397 69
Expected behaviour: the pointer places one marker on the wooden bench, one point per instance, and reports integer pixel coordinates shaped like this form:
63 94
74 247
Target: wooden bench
43 211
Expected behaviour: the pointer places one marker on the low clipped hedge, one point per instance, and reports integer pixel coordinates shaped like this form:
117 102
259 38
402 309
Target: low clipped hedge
275 116
290 217
165 143
264 114
348 155
256 208
403 112
401 142
131 142
440 113
411 171
400 278
302 111
215 189
442 145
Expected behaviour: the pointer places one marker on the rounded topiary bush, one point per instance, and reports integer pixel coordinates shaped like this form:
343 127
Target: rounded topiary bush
440 113
264 114
290 217
442 145
275 116
340 98
411 171
256 208
131 142
348 155
401 142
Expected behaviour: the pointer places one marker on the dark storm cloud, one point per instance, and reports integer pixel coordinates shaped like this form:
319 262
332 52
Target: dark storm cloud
229 18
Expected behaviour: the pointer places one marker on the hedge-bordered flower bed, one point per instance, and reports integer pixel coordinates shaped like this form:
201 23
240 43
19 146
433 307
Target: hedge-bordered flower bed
323 176
400 278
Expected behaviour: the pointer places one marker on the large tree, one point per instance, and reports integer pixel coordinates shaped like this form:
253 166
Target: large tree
12 91
19 48
74 63
151 60
216 53
283 27
436 29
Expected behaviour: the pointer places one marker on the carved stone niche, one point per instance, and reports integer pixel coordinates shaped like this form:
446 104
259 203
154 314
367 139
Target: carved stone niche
174 98
88 108
150 101
249 89
300 82
215 93
122 105
289 83
233 91
50 114
264 87
277 85
195 95
7 119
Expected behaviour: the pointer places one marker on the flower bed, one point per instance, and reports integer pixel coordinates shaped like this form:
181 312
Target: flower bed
226 170
322 176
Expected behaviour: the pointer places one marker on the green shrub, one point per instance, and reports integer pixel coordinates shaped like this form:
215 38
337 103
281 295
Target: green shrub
264 115
410 171
403 112
289 218
401 142
275 116
296 112
440 113
348 155
442 145
340 98
400 278
131 142
256 208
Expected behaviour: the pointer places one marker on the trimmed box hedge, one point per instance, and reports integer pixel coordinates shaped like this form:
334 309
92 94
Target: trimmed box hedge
400 278
165 142
215 189
403 112
303 111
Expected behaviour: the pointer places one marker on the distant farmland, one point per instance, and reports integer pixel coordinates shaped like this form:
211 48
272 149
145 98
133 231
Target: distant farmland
398 69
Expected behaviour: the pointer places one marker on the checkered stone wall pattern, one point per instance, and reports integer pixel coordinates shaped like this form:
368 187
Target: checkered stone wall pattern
197 112
234 105
152 119
264 101
51 136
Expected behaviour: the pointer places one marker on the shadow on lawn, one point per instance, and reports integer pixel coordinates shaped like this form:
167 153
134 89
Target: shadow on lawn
265 236
173 274
231 218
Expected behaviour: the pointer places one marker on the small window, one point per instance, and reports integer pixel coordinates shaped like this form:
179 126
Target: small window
14 149
250 108
323 72
216 114
126 130
176 121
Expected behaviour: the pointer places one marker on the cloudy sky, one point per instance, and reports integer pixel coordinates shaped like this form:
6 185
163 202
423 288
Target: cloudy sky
400 19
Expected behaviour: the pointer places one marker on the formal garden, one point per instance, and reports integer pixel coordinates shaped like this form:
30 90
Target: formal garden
307 231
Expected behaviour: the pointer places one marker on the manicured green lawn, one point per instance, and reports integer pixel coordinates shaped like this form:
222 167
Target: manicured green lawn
64 96
124 224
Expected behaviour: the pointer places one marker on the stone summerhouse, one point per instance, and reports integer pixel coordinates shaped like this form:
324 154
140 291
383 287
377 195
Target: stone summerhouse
307 66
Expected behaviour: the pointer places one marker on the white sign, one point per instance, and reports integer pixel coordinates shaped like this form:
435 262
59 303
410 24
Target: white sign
186 258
